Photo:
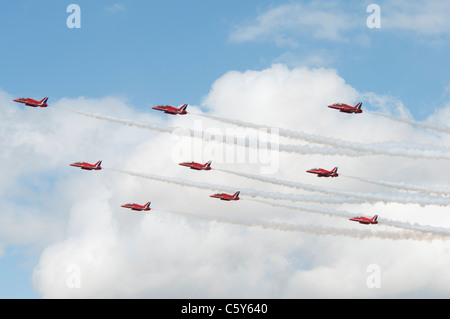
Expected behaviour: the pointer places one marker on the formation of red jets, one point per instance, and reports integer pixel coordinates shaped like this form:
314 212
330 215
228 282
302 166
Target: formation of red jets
168 109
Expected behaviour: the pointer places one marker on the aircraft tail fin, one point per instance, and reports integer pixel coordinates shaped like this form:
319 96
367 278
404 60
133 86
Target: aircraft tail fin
98 164
183 107
148 205
375 218
358 106
335 170
43 101
208 164
236 195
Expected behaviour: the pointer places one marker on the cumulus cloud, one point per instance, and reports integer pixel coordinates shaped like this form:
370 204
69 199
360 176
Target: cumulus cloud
285 23
427 18
341 21
91 247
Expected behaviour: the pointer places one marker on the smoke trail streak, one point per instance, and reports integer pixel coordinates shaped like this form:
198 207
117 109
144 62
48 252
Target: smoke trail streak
291 197
368 197
436 190
298 149
247 192
307 149
363 149
152 127
338 147
433 127
317 230
438 232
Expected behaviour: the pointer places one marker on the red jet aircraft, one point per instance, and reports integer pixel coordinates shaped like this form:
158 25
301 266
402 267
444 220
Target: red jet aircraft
171 109
197 166
87 166
138 207
33 103
347 108
323 172
226 197
365 220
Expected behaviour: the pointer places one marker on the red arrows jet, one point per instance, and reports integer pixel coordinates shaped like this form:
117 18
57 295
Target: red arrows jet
87 166
138 207
323 172
347 108
171 109
226 197
365 221
33 103
198 166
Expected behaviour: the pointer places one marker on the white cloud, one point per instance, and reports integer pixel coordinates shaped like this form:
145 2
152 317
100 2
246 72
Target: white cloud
426 18
284 24
75 216
287 25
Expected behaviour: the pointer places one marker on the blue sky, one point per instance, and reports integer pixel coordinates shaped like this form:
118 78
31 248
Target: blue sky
171 52
16 267
146 51
152 52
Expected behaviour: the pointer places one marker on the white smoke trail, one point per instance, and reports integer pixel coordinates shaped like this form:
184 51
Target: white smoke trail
368 197
291 197
317 230
152 127
429 126
389 149
437 232
298 149
426 189
247 192
338 147
307 149
305 208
